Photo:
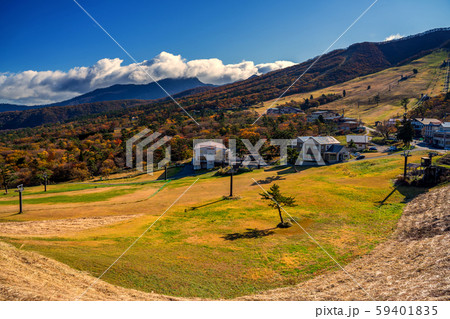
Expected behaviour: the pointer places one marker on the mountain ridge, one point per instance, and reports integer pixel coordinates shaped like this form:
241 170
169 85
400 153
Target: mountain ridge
116 92
335 67
149 91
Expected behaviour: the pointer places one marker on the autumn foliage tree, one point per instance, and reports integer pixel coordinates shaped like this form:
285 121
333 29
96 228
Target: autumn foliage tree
6 174
385 130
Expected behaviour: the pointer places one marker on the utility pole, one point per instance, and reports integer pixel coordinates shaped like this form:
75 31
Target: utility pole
45 181
431 155
406 154
231 181
20 190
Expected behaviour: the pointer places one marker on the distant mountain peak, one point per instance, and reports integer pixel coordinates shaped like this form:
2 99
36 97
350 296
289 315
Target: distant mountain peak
149 91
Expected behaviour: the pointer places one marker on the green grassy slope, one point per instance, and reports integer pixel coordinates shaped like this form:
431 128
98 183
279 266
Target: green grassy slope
209 247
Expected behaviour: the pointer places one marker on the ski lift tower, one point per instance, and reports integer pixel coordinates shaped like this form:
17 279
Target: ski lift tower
20 191
405 154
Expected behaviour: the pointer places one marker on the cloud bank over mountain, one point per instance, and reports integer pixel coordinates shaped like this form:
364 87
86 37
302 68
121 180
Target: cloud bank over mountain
42 87
393 37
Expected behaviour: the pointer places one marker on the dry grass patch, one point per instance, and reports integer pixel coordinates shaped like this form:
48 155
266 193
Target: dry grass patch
429 80
61 226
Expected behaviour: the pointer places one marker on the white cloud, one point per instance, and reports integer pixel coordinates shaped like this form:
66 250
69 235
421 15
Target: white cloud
42 87
269 67
393 37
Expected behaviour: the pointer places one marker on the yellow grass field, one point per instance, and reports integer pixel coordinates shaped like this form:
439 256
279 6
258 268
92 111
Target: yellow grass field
205 245
429 80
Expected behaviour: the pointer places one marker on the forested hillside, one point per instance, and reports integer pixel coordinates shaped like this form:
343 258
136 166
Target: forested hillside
95 145
335 67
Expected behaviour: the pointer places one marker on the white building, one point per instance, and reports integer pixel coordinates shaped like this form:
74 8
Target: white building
441 137
323 141
326 115
429 129
328 147
392 122
420 123
361 141
208 154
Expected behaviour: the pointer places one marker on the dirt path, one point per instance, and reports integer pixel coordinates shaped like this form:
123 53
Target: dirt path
59 226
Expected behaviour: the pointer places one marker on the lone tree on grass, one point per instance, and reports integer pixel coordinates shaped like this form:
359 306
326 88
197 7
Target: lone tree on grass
277 200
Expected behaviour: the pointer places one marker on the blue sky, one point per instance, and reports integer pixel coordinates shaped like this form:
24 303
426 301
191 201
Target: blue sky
57 35
42 35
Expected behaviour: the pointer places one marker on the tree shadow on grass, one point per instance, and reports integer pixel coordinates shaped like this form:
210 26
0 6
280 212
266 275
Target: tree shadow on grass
383 201
268 180
287 169
14 214
207 204
250 233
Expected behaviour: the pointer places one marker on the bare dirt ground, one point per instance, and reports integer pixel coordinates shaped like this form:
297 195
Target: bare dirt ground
59 226
30 276
413 265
